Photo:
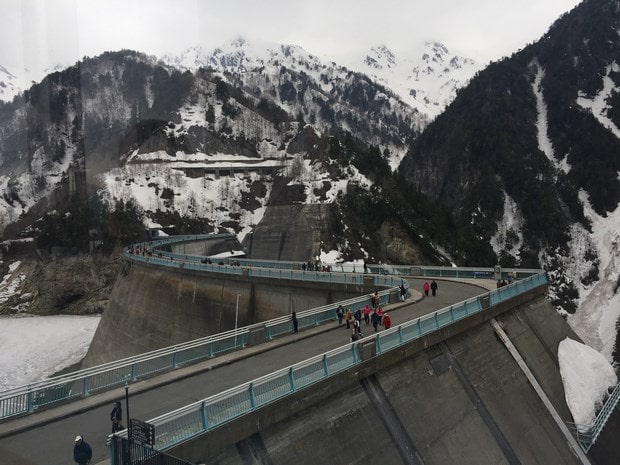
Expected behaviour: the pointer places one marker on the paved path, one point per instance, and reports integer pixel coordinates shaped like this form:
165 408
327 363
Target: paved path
26 441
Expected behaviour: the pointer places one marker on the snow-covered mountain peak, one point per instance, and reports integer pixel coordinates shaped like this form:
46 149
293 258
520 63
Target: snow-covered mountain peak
425 76
239 55
380 57
191 58
434 51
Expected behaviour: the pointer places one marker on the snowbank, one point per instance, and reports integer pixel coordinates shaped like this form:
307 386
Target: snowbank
34 347
587 377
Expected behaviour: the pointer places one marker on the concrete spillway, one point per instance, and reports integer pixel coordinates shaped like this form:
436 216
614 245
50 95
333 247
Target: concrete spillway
464 400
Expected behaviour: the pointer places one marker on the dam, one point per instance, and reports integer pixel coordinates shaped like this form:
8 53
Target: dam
453 394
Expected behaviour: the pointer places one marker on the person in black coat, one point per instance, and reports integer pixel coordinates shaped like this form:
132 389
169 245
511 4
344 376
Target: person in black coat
295 323
434 287
116 416
82 453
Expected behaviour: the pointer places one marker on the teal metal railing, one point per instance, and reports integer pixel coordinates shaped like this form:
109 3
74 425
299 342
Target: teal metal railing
57 390
588 434
225 264
51 392
197 418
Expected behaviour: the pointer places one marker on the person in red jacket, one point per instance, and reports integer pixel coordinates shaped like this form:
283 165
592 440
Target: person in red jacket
366 312
387 321
426 287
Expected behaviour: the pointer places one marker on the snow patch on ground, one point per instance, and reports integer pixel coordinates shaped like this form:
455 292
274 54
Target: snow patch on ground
544 142
217 198
11 283
598 105
509 235
587 377
599 304
34 347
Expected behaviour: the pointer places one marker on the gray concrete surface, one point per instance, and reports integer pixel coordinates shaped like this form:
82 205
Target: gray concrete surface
465 401
442 421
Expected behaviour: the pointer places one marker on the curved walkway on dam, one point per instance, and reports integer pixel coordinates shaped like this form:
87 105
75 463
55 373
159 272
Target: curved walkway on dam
46 438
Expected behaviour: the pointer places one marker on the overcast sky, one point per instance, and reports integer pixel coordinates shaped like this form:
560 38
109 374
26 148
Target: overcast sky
41 33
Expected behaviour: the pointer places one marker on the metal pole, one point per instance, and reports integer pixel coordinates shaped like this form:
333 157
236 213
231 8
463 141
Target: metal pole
236 318
129 436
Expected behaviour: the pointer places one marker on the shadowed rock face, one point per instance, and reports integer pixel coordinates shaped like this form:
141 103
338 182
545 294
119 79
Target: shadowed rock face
289 232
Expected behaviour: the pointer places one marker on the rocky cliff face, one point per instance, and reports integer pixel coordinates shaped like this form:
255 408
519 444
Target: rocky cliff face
76 285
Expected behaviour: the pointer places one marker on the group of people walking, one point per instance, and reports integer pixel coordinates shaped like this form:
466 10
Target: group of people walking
375 317
432 287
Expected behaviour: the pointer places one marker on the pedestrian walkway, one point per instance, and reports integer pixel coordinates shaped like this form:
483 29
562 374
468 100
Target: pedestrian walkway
54 429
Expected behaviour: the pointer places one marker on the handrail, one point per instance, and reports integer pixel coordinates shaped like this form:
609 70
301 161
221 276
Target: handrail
404 270
207 414
588 434
47 393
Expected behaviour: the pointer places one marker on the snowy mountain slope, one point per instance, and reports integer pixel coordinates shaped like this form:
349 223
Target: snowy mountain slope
256 66
206 144
527 157
427 78
15 81
9 86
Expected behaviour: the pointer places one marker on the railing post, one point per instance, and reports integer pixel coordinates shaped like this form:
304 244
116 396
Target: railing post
377 344
85 385
437 320
354 354
174 358
30 400
400 335
203 416
419 327
252 399
325 368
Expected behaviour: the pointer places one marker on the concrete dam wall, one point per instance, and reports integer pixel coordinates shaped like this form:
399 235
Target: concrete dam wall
453 398
156 306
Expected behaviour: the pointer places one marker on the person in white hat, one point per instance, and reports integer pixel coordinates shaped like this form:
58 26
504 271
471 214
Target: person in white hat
82 452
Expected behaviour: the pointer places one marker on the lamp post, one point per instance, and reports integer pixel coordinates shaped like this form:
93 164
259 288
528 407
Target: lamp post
129 437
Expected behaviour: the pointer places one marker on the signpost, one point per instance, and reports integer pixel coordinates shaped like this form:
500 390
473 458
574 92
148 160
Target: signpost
497 272
142 432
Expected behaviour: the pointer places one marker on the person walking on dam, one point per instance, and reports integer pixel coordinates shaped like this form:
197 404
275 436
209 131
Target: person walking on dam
348 317
426 287
374 319
434 288
116 416
295 322
82 452
340 314
366 313
387 321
